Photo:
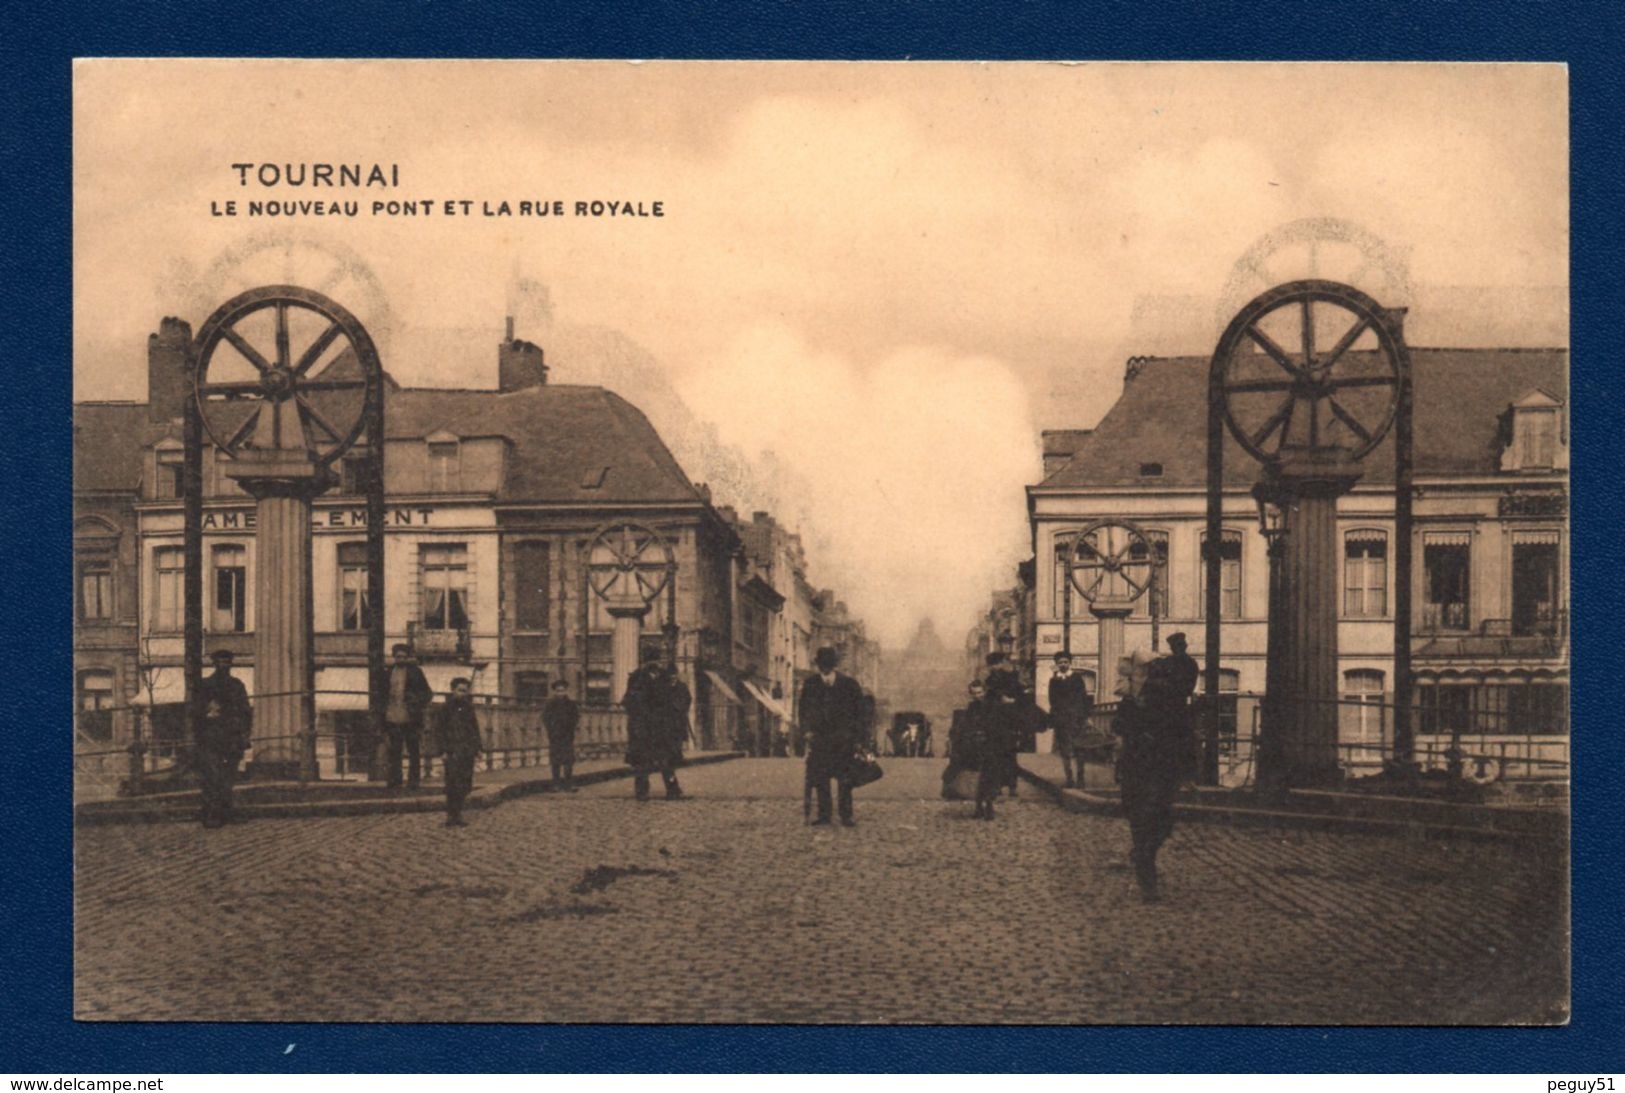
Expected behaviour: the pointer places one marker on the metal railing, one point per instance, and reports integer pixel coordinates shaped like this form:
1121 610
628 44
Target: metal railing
1482 746
148 752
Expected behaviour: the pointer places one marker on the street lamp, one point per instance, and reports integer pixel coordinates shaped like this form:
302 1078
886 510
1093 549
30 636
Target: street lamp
1273 520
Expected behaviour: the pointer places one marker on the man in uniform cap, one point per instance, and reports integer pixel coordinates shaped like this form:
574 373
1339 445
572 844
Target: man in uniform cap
224 722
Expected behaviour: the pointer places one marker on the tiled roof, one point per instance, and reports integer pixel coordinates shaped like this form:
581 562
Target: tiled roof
108 438
570 443
1161 417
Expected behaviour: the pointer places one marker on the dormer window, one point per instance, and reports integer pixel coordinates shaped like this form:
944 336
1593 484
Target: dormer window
171 481
444 471
1535 442
1537 438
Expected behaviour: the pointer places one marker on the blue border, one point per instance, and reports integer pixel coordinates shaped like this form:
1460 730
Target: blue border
36 1033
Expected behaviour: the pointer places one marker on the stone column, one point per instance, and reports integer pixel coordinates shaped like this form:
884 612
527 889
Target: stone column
1307 714
628 613
283 486
1110 615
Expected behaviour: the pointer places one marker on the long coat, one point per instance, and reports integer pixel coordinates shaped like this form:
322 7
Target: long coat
226 716
1069 706
418 693
656 705
832 717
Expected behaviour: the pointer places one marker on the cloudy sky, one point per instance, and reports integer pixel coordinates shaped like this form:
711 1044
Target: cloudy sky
880 281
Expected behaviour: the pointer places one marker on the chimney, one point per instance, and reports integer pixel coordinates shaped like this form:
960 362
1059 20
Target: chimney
167 381
519 363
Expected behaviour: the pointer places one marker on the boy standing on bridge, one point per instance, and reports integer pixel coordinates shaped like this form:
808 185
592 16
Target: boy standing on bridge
459 741
562 716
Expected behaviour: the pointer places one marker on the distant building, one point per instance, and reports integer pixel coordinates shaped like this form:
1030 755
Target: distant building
1490 600
492 498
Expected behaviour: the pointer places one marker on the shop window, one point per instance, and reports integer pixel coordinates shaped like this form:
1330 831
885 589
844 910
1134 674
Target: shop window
95 589
95 720
168 604
1229 576
352 563
1446 708
1447 572
1365 574
1539 707
443 578
532 566
228 610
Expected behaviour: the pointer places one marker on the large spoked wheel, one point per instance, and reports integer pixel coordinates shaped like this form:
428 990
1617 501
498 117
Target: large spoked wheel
246 367
627 559
1111 560
1310 366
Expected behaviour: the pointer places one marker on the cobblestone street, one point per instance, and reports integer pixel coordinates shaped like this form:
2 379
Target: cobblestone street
725 908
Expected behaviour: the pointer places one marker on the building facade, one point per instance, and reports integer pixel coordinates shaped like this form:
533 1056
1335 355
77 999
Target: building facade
1490 544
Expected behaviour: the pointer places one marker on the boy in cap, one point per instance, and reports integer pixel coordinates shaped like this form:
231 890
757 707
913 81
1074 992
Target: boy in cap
562 716
459 741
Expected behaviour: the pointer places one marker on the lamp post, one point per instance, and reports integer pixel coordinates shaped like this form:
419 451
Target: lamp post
1272 524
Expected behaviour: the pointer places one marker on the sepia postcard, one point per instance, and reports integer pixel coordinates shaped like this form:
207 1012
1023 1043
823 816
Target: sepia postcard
821 543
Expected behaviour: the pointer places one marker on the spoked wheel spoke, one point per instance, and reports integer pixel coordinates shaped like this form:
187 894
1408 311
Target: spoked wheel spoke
315 417
250 354
1361 381
1348 419
1249 386
1281 419
1350 336
1276 353
317 348
245 428
248 388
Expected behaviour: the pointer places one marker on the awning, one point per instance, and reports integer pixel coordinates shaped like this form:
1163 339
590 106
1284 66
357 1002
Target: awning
169 685
722 685
769 703
1447 538
1537 537
341 689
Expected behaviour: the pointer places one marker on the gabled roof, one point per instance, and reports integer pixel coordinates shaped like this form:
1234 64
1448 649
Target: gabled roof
569 443
1161 417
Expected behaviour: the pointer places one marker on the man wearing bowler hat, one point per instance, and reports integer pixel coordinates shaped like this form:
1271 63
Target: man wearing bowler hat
832 711
409 697
224 722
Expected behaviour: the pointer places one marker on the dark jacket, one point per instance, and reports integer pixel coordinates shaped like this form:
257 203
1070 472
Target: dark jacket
458 731
1069 704
656 703
832 715
562 716
225 718
418 692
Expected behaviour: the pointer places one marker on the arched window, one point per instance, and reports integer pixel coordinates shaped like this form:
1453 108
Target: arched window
1365 573
1229 576
1155 600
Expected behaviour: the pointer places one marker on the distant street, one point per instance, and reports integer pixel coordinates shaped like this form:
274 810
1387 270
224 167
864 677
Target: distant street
724 908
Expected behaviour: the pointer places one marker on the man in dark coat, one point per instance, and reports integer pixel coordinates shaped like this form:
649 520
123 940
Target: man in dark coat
964 752
561 716
832 712
1150 763
409 697
1069 708
224 723
1012 708
1169 687
656 703
458 739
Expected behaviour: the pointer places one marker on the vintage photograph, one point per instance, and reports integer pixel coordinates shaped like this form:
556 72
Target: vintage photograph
821 543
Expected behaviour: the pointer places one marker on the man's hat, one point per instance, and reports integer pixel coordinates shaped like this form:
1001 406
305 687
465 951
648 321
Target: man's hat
1063 656
223 656
561 685
826 658
400 647
1178 636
